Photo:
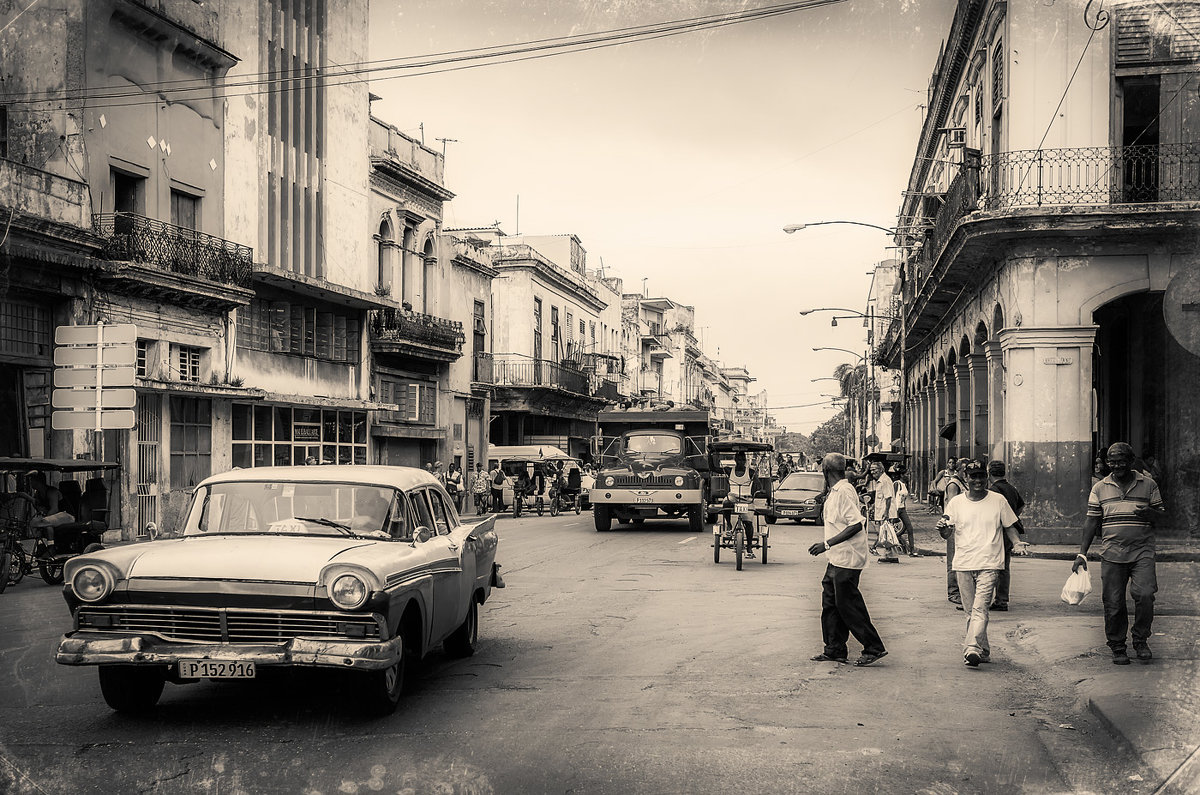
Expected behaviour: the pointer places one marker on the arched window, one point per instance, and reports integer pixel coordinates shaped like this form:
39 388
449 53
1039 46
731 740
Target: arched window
384 244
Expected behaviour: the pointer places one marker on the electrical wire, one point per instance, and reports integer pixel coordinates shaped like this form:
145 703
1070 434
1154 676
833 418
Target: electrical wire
464 58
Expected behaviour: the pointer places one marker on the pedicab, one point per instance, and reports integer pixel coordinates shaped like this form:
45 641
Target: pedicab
740 525
34 541
566 487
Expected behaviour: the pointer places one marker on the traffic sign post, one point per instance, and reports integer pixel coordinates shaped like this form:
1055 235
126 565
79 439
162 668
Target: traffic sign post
93 377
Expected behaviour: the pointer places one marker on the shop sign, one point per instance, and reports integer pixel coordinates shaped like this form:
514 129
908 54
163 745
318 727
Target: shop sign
306 433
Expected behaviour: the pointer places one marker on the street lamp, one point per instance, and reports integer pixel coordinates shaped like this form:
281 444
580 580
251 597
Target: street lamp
844 350
797 227
822 378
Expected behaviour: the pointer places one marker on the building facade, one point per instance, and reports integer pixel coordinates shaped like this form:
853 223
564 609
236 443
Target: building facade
1043 306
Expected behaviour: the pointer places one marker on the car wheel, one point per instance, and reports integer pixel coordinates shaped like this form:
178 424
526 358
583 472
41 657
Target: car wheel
739 547
461 642
696 519
131 688
602 519
52 573
770 518
381 689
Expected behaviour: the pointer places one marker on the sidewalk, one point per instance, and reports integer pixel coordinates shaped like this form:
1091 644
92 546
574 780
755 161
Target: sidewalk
1153 709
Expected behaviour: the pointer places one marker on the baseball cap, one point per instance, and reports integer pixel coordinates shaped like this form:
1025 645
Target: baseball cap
974 468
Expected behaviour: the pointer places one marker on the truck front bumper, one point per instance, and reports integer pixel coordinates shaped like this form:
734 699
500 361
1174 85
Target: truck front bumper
105 648
666 498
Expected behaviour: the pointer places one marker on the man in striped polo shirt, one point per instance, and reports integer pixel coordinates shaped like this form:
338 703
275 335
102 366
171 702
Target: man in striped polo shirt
1123 508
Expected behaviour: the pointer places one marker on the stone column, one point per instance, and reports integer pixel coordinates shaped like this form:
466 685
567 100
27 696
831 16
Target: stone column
928 450
979 406
995 397
962 382
1048 425
941 393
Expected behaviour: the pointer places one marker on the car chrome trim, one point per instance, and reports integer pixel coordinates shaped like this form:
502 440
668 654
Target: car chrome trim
222 624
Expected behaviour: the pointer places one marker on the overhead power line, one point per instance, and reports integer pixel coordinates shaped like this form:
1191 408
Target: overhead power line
412 66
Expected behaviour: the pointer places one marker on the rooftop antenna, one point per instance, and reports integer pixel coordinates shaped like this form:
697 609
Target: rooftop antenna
444 142
518 224
645 290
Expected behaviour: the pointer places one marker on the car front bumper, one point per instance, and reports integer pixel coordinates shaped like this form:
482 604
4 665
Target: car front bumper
107 648
797 511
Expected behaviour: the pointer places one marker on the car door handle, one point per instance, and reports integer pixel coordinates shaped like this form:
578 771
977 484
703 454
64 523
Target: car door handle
453 547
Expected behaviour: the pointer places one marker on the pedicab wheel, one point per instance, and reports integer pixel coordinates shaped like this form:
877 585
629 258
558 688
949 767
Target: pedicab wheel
602 518
6 561
762 544
739 547
517 507
131 688
17 565
716 547
541 505
553 507
578 507
52 573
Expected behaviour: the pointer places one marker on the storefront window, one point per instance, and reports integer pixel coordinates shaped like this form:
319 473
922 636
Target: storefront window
284 436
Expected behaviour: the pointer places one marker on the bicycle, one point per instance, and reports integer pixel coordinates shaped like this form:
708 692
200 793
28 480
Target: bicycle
14 563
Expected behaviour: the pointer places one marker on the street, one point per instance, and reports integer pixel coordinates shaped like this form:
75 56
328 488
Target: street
613 662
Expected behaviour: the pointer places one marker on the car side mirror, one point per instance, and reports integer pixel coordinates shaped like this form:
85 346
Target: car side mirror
424 534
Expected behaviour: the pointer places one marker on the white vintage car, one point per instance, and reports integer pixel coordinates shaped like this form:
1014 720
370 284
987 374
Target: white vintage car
359 568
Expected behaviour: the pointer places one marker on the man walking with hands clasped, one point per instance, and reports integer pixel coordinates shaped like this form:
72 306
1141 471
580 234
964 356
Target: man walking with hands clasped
977 522
843 611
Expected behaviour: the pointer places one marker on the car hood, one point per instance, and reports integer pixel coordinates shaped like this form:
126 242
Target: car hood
259 558
797 494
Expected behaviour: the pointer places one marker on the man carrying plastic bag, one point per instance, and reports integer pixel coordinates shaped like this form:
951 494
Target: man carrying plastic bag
1078 585
1123 508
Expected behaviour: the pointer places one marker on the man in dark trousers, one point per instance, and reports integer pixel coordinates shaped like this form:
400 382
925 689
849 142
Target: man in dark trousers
843 611
1006 490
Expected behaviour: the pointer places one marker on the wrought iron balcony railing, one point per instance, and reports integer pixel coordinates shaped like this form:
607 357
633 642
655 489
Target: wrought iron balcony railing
404 325
523 371
483 369
130 237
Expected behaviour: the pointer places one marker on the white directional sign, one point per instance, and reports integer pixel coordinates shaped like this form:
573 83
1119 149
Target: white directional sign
88 420
95 367
90 398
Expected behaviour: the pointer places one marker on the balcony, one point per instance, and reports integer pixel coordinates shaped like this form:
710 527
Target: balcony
513 370
407 333
153 258
607 390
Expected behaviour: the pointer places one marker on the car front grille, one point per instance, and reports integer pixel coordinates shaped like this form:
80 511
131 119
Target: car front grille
225 625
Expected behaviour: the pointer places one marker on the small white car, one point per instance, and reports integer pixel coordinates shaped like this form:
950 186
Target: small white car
358 568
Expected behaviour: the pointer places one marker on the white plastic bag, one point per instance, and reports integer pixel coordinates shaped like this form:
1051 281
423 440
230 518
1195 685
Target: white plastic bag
1078 585
887 535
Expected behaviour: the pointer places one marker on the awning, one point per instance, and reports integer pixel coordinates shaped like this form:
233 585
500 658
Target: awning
200 389
329 402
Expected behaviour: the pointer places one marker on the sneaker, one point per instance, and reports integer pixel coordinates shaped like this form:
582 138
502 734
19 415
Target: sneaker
972 659
1120 658
1143 651
1001 608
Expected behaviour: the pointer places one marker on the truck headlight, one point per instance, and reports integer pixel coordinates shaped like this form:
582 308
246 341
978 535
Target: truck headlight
348 592
608 481
679 480
91 584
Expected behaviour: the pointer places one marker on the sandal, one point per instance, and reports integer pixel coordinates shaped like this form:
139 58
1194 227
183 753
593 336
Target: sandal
868 659
823 657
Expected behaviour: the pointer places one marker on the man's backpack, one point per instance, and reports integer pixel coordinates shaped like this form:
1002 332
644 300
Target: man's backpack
499 478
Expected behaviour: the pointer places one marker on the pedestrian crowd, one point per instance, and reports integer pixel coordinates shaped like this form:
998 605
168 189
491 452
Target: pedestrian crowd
980 521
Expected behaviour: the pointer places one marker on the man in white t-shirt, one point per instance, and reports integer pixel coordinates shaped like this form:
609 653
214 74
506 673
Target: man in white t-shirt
978 520
883 508
843 611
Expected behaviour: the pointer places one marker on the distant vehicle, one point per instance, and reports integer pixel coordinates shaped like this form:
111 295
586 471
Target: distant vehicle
799 496
531 458
352 568
653 464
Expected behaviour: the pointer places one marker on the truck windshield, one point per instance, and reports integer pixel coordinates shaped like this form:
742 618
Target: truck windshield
653 444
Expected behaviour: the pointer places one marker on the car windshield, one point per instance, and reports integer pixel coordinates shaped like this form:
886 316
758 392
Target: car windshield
808 481
312 509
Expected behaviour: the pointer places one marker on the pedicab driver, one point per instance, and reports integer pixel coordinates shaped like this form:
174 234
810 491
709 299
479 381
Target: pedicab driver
741 486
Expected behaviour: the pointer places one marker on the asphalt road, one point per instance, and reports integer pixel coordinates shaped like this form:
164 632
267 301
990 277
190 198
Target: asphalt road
613 662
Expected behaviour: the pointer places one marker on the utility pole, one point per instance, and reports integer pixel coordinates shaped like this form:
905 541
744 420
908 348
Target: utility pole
444 142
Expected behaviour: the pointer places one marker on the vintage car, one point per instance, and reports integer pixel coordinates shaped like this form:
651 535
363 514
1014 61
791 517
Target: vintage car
799 496
359 568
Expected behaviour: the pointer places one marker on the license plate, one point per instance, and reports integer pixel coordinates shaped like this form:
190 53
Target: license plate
215 669
646 500
743 508
789 513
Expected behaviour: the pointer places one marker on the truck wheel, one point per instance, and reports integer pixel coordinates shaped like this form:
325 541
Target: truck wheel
770 518
602 518
696 518
638 521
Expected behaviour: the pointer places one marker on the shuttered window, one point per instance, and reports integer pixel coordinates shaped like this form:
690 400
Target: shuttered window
997 75
282 327
416 401
1158 32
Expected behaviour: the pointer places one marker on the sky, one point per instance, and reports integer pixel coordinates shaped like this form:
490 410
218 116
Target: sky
679 160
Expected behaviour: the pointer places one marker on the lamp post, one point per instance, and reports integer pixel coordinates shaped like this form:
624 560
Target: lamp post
898 232
862 402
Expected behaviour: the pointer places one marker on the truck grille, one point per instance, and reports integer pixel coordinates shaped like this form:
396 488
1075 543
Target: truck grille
226 625
652 482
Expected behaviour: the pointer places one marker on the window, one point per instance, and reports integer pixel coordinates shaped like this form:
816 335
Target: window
128 193
287 435
185 209
420 502
571 327
997 75
3 131
479 327
441 513
143 350
187 363
416 400
191 441
282 327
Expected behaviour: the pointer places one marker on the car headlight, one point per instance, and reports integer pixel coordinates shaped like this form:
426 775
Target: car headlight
608 481
348 591
91 584
679 480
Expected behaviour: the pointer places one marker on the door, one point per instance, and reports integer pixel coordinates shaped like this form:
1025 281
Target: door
441 554
149 429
